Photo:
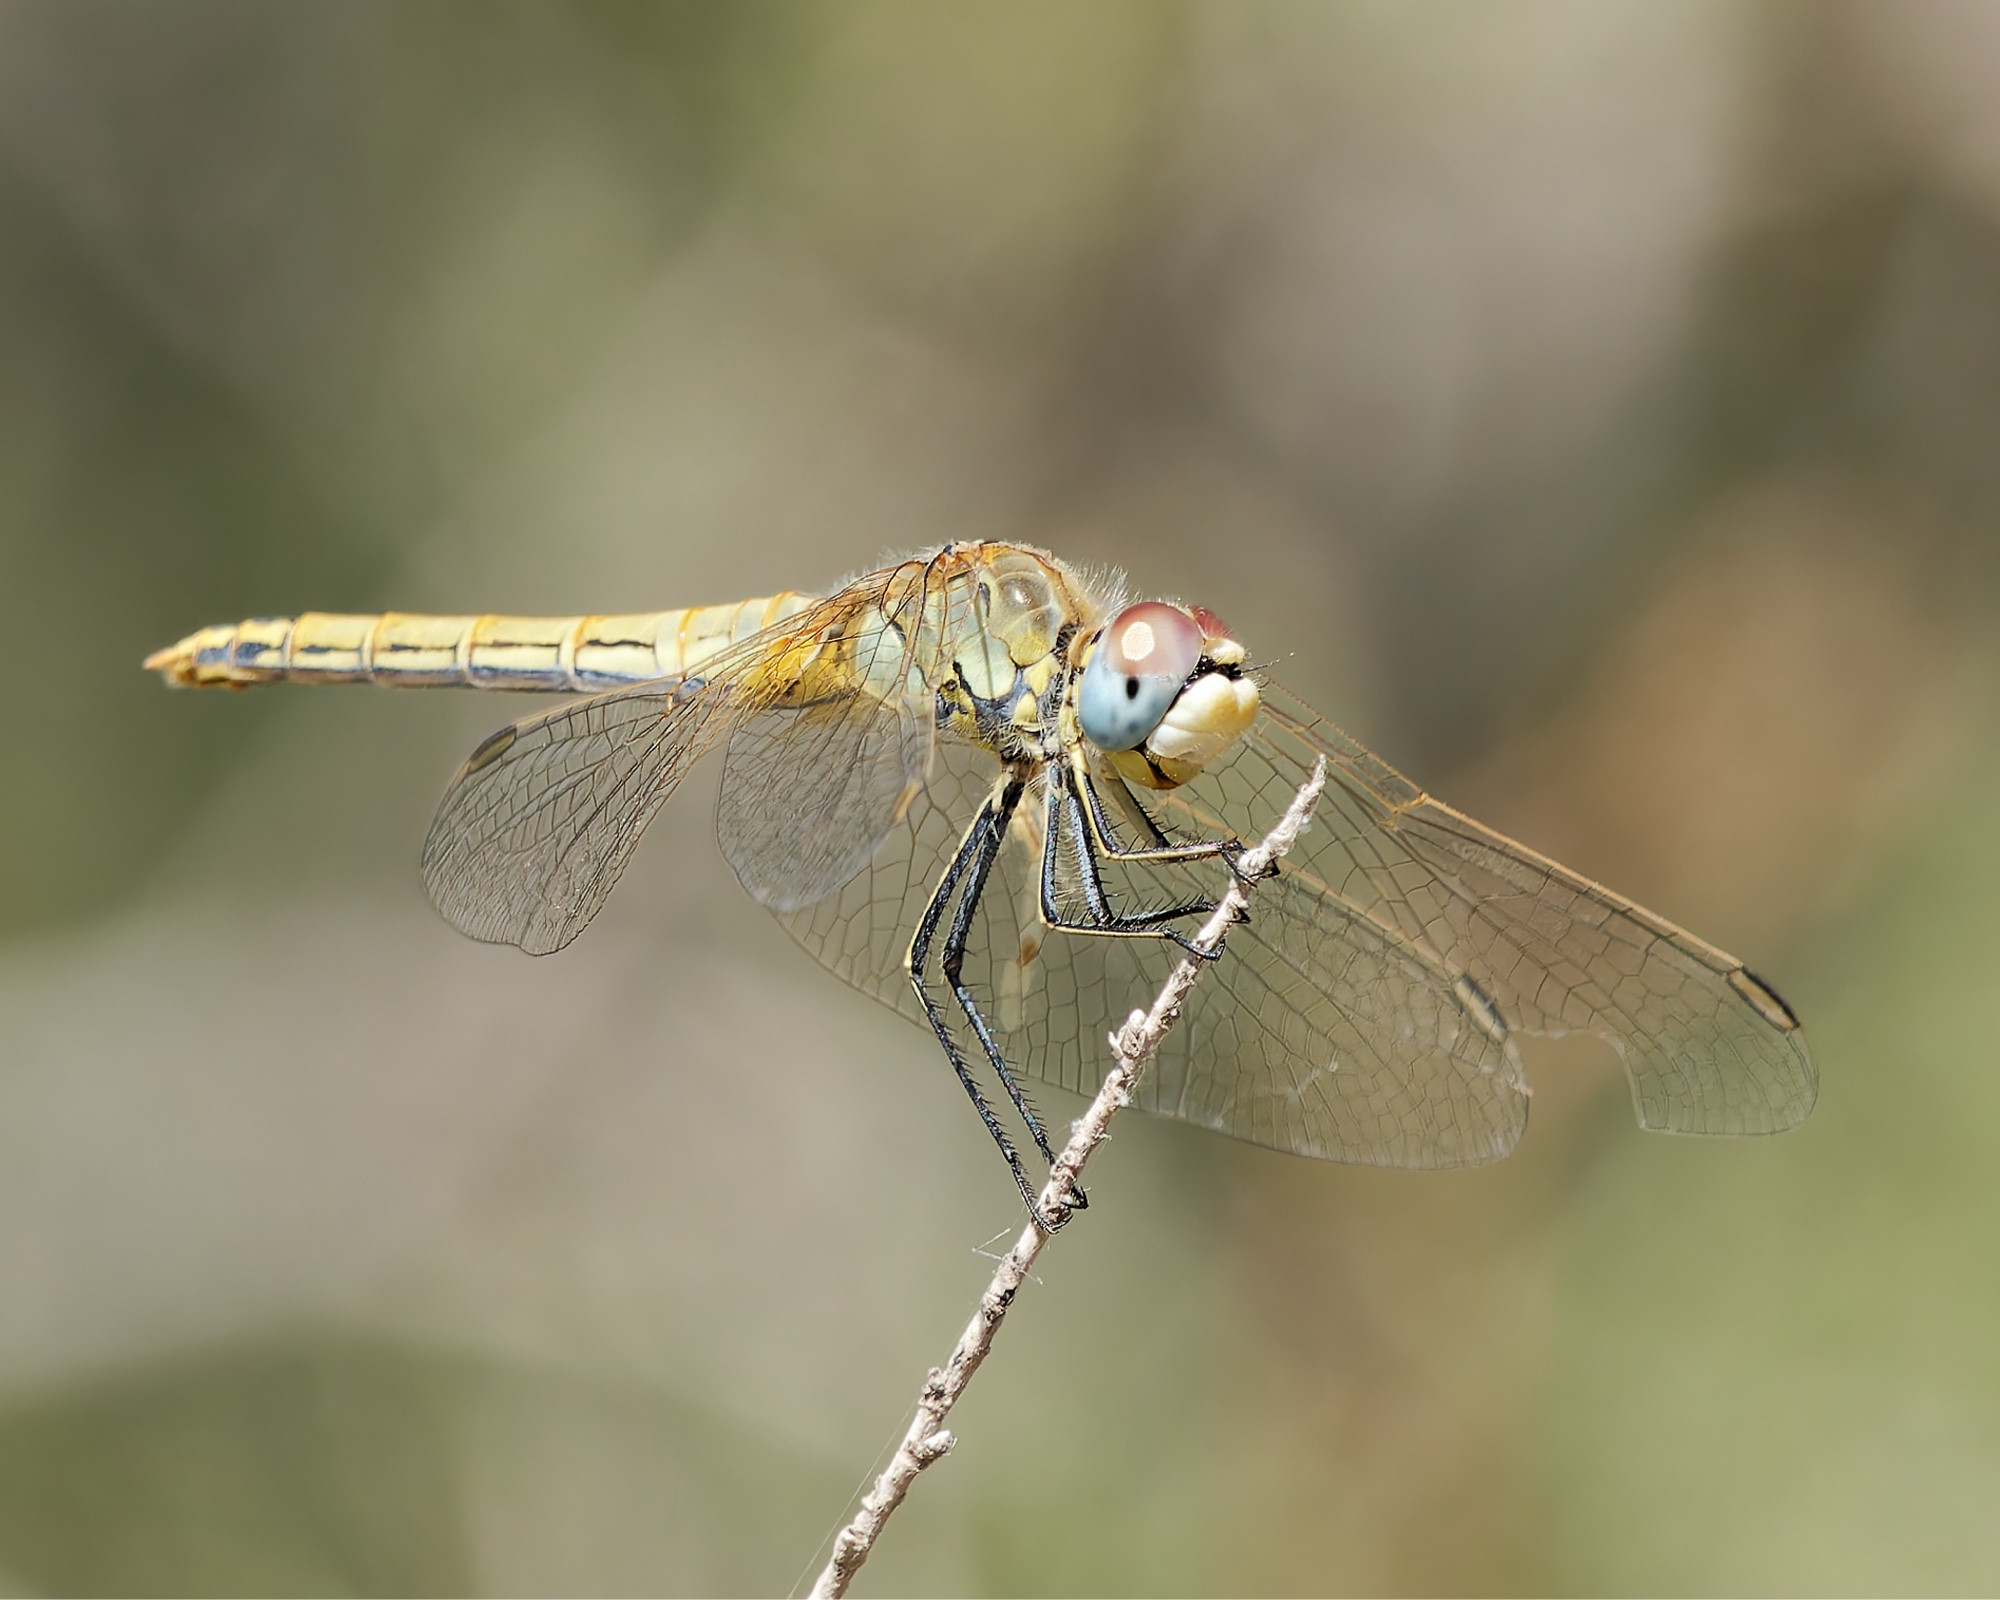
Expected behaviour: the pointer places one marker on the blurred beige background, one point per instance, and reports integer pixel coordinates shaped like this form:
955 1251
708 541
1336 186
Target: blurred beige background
1592 405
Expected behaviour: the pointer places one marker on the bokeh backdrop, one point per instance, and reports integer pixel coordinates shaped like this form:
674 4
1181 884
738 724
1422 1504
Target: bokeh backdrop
1595 406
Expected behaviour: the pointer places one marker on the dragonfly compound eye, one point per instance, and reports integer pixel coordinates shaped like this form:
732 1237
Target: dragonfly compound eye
1143 660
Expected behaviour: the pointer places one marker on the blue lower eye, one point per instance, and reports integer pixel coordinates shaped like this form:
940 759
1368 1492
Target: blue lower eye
1117 710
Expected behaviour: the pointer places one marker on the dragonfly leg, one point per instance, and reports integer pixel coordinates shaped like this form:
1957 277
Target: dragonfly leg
976 840
1065 807
1159 848
996 815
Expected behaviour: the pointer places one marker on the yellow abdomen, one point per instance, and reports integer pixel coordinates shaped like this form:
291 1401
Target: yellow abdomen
561 654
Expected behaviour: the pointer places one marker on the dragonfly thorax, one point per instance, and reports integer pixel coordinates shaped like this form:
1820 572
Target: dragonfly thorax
1003 681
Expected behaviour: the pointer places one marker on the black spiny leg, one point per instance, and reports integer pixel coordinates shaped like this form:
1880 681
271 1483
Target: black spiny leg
1065 808
998 815
1160 849
969 849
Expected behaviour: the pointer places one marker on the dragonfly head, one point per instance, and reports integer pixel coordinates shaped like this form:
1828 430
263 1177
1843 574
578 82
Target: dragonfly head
1163 692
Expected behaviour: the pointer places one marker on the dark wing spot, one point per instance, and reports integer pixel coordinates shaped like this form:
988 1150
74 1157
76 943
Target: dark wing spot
490 750
1764 1000
1479 1004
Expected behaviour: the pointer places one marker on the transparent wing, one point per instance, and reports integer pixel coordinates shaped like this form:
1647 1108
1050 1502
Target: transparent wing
1708 1047
813 783
1364 1014
1320 1031
862 931
543 816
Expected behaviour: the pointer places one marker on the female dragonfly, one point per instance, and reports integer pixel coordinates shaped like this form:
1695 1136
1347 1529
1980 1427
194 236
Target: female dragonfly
987 789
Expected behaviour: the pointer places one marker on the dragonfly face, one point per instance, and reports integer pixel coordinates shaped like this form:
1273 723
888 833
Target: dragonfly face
981 787
1163 693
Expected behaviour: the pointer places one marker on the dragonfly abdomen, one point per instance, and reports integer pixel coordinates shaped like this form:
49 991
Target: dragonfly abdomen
568 655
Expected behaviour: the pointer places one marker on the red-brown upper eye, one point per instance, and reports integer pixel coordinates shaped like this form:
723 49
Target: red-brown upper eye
1212 626
1152 640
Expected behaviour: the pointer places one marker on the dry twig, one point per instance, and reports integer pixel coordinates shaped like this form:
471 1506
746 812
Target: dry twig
1133 1047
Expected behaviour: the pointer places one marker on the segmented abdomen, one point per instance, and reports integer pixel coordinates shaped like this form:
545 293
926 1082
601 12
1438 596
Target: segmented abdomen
560 654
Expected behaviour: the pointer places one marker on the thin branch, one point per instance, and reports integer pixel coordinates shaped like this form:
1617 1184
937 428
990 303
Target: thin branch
1133 1046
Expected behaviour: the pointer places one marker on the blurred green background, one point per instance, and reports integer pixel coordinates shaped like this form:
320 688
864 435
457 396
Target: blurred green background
1595 406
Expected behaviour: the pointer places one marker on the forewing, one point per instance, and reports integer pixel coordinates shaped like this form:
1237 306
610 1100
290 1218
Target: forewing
814 783
861 931
1366 1012
1709 1048
1318 1032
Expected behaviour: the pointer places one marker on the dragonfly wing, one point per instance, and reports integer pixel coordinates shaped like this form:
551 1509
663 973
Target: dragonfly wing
1708 1047
827 746
543 816
1367 1011
1319 1032
814 784
861 930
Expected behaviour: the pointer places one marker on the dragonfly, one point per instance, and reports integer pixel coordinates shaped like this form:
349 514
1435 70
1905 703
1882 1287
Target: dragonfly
996 793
